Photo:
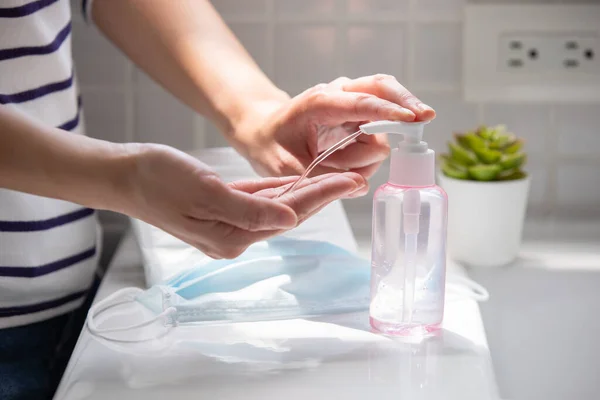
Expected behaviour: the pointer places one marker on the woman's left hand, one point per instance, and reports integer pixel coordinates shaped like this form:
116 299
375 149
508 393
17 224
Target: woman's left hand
284 138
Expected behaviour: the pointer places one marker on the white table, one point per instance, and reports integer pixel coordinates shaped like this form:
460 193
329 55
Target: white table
336 357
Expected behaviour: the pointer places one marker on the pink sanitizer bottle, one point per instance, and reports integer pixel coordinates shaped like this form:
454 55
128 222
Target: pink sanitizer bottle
408 264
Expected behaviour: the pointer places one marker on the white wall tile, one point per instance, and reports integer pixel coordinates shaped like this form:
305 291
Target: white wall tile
97 61
214 137
229 8
253 37
310 52
441 9
304 7
105 116
531 122
438 53
452 115
532 1
368 50
159 118
141 80
579 186
304 55
537 168
377 7
578 129
199 132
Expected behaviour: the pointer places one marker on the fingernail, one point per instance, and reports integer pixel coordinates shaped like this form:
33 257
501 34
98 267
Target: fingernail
426 109
404 113
358 192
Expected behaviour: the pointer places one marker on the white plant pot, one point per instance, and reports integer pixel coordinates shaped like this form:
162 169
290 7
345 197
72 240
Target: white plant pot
485 220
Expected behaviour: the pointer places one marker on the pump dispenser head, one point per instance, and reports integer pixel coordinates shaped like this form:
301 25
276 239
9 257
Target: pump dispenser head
412 162
412 131
407 169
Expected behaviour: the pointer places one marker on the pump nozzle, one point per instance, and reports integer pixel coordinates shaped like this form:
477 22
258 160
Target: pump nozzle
412 161
412 131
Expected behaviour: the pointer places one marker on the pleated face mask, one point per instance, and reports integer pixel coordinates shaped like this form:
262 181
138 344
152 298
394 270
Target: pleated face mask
280 278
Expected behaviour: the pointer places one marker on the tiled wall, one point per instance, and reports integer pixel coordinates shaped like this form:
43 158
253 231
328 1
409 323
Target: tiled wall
300 43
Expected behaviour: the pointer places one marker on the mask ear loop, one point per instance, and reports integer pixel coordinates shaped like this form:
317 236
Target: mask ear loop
468 288
107 303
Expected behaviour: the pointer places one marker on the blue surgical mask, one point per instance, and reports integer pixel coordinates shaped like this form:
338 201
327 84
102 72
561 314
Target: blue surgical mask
280 278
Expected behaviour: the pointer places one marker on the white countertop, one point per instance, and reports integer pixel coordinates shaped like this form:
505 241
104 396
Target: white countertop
541 319
300 359
340 356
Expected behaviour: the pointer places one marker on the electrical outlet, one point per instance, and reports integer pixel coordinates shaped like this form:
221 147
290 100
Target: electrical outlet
549 52
532 53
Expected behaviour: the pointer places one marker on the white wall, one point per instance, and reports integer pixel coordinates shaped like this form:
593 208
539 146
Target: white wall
300 43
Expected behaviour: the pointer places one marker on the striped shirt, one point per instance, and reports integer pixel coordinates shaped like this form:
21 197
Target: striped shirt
48 248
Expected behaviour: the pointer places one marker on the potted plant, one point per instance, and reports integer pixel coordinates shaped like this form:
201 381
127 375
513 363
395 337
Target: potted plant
487 196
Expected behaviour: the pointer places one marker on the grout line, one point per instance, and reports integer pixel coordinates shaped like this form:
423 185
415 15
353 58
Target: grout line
271 40
480 113
552 163
578 159
199 140
206 131
332 19
433 88
129 103
409 73
342 41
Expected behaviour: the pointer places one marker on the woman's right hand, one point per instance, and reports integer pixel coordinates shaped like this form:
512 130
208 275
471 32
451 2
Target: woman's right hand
181 195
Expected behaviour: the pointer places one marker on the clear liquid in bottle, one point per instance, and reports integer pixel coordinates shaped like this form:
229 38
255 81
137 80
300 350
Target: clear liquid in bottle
408 259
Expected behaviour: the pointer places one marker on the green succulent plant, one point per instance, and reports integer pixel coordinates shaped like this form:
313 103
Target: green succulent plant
486 154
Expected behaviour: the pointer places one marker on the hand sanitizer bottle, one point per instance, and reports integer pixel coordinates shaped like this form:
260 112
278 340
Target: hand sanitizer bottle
409 238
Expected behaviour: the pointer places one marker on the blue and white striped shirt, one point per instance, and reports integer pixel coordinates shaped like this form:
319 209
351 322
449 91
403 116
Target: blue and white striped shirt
48 248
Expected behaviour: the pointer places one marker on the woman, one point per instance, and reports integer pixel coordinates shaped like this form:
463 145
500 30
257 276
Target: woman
52 177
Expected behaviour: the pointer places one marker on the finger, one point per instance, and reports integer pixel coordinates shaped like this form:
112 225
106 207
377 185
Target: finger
238 240
367 171
249 212
322 192
274 192
306 201
363 152
252 186
337 107
388 88
357 193
338 83
192 231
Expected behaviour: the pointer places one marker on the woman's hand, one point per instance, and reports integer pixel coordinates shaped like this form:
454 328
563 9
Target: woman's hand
181 195
284 138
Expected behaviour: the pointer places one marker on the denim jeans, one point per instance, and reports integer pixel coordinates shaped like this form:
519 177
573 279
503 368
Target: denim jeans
34 357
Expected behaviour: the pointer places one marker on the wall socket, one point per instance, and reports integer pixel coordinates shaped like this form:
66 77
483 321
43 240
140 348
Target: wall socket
549 52
532 53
